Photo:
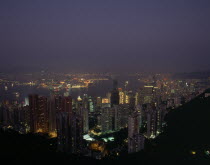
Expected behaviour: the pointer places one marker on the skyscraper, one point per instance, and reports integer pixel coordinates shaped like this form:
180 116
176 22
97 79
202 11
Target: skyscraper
115 98
77 133
107 119
90 104
121 113
39 115
85 117
52 115
151 120
63 132
135 139
70 126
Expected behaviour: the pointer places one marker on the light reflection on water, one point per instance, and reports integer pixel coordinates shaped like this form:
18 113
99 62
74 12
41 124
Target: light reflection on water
99 88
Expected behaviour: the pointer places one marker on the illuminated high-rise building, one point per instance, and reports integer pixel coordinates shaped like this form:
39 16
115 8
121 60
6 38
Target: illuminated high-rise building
148 94
122 97
84 113
39 115
90 104
62 104
42 115
98 101
135 139
58 103
151 120
115 94
77 134
107 119
64 139
121 113
52 115
105 103
33 107
108 96
69 132
161 112
85 103
67 105
133 124
26 102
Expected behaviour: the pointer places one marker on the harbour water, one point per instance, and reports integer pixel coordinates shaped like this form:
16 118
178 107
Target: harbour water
18 93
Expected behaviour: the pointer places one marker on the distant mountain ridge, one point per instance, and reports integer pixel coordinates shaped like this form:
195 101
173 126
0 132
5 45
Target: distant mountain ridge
192 75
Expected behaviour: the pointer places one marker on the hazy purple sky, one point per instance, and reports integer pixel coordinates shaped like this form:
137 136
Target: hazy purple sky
105 35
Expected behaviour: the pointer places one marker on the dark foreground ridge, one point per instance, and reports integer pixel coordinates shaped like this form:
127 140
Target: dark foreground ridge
186 140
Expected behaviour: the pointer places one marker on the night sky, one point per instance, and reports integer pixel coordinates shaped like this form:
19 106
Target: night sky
105 35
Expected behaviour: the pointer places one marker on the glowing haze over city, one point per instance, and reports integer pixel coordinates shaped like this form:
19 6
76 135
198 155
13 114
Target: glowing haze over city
105 81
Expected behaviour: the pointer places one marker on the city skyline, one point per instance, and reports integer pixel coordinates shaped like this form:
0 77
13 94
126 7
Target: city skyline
128 117
110 81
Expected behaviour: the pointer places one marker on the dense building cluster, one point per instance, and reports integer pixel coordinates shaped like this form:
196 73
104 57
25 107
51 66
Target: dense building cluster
75 122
